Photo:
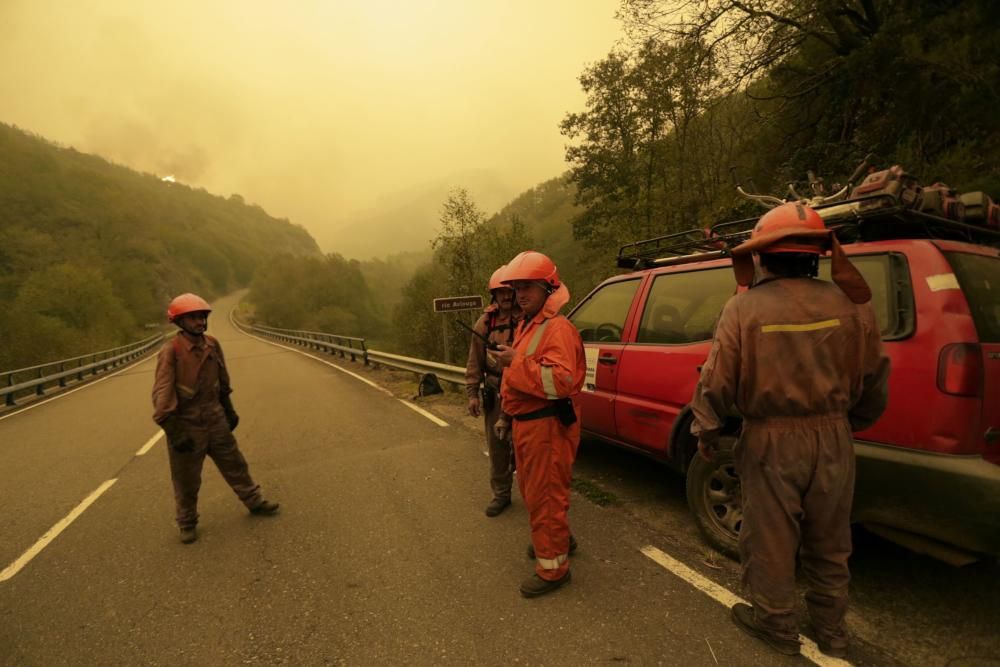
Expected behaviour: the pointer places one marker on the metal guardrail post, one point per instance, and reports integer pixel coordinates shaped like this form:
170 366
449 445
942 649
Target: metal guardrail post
99 361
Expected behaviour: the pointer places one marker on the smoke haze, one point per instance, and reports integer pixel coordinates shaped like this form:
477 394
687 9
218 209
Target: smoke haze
321 112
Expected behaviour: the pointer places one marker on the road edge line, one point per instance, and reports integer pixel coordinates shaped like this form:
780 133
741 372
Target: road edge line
727 598
421 411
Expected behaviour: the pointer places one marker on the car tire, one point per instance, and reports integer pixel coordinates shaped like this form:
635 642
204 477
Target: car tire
713 495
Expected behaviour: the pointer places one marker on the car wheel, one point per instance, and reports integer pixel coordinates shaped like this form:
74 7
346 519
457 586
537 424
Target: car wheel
713 494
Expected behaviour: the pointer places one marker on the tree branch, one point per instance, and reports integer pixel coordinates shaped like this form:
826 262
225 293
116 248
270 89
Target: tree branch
784 20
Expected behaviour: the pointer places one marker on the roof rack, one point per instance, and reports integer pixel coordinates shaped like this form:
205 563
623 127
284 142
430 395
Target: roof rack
877 218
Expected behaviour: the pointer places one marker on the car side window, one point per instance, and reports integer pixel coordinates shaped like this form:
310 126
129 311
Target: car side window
891 295
601 318
683 307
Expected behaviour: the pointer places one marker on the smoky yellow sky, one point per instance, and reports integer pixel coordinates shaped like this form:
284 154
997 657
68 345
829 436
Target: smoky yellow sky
316 110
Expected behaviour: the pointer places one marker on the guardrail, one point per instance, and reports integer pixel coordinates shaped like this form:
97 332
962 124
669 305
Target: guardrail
355 348
34 379
346 346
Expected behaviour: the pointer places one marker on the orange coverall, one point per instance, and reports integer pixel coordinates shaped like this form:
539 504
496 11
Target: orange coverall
549 364
190 377
804 367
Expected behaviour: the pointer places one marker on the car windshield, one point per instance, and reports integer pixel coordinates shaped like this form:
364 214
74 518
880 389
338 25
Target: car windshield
979 277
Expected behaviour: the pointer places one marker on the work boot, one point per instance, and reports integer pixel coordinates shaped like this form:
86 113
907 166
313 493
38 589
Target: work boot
534 585
744 619
834 649
831 650
496 506
189 535
572 547
264 507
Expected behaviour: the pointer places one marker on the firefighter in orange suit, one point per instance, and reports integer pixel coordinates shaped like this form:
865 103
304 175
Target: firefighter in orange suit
544 370
192 404
801 361
482 370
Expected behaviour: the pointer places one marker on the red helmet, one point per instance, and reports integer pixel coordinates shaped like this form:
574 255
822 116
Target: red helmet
186 303
496 281
791 227
531 265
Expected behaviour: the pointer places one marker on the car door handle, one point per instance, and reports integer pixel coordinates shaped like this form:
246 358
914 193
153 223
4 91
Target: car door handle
607 360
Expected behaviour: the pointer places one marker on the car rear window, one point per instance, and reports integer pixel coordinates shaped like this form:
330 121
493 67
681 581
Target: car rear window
979 278
892 297
683 307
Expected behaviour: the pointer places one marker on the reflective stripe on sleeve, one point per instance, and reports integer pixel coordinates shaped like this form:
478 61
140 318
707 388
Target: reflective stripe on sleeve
536 339
553 563
812 326
549 383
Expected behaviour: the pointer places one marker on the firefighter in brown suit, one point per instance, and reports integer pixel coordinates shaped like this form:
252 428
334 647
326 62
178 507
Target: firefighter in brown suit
497 325
192 404
801 361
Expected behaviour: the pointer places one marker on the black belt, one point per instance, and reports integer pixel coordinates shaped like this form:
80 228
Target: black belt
541 413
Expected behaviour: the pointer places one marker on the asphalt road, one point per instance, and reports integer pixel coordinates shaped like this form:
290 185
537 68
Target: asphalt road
381 552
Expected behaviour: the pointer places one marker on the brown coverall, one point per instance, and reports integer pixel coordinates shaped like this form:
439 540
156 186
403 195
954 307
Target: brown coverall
482 368
190 377
549 364
804 367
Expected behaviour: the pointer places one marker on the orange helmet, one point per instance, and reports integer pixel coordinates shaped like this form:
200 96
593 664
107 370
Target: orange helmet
186 303
496 280
791 227
531 265
794 227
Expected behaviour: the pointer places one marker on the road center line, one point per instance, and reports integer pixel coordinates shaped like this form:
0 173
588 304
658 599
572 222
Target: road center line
726 598
149 443
421 411
54 531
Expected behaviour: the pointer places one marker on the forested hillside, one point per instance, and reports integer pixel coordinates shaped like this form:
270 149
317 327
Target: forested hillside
91 252
776 88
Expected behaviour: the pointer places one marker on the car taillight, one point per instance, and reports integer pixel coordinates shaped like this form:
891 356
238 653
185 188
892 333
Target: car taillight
960 369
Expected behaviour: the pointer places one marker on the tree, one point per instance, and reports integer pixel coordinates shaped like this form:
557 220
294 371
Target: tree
748 38
634 167
468 249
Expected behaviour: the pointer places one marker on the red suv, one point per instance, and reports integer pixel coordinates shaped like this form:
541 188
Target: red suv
928 471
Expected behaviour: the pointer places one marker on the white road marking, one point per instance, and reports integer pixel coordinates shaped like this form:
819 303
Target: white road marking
417 409
420 410
53 532
726 598
149 443
89 383
306 354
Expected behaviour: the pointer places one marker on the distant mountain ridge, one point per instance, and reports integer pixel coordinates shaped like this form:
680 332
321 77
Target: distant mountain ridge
407 220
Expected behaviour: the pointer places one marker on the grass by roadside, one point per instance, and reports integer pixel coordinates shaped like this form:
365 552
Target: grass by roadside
594 493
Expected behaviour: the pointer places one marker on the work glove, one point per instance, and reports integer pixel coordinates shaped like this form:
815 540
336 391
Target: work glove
232 418
707 450
178 439
474 406
501 429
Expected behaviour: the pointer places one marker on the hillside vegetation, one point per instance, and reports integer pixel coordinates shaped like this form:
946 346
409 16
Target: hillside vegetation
91 252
